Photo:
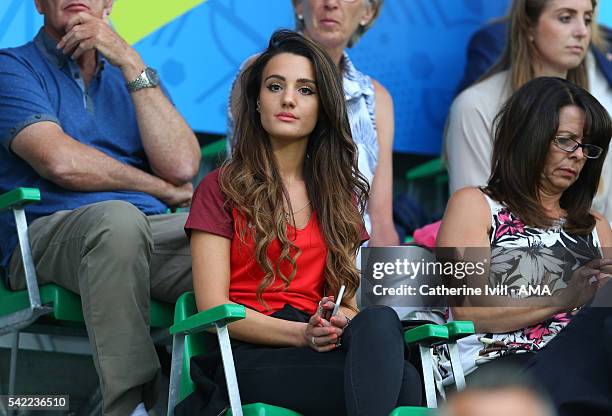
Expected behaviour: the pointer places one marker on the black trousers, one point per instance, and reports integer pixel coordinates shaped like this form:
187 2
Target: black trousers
367 375
575 368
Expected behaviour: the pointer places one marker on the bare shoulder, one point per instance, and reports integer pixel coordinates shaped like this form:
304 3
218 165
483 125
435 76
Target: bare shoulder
384 112
382 94
466 220
470 205
469 198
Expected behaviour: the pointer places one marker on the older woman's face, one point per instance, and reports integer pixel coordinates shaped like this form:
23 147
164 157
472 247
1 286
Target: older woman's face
562 35
332 22
562 168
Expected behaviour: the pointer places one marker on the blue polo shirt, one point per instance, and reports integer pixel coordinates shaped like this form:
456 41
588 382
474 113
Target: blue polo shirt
39 83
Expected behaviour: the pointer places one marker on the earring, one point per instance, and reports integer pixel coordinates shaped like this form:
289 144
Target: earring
300 17
258 106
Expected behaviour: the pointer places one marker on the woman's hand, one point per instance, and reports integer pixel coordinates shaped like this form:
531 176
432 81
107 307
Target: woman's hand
340 321
585 282
320 334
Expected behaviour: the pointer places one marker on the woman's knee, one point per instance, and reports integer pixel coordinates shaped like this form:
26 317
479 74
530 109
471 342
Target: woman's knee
375 319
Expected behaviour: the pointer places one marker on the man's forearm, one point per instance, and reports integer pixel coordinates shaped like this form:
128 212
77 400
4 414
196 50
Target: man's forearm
171 147
91 170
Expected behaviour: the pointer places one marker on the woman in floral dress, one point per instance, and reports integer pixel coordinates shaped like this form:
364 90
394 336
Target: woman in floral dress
534 220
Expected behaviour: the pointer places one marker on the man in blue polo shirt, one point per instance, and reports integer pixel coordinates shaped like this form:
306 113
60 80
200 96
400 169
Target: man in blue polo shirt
83 119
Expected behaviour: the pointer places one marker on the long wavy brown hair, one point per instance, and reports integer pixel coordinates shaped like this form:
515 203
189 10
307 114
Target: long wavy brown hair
520 52
337 191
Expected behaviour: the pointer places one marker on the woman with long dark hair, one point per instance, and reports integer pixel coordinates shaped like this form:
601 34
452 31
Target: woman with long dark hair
337 26
534 222
277 228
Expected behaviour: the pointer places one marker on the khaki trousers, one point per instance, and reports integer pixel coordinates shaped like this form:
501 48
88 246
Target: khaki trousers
117 259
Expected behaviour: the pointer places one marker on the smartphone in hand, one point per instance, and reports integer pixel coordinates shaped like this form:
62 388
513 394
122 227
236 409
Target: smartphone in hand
326 313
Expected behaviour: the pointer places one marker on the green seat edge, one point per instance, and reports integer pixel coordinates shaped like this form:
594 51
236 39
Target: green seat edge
194 343
262 409
459 329
19 197
67 305
426 334
413 411
228 313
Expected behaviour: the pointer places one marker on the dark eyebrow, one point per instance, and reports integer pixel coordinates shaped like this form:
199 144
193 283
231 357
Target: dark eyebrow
275 76
306 81
282 78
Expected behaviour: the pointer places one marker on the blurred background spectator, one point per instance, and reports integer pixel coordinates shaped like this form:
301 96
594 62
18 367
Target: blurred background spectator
535 38
503 392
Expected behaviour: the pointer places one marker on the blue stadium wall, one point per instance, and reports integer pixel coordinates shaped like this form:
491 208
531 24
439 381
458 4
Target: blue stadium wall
416 49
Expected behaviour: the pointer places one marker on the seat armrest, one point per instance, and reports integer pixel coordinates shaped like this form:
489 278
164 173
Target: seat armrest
459 329
18 197
429 334
219 315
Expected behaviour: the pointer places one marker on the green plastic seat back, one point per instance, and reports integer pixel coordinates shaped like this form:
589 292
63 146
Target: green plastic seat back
194 343
67 305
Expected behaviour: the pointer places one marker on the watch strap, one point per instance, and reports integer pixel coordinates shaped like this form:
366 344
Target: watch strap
141 81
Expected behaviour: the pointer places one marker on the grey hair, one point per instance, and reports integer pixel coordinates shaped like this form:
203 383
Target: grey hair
359 32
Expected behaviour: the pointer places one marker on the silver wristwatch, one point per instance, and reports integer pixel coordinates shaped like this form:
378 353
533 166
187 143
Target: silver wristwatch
148 78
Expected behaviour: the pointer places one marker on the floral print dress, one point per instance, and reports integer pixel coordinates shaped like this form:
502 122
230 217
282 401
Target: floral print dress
523 256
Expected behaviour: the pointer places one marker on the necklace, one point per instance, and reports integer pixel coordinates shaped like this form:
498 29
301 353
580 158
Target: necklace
296 212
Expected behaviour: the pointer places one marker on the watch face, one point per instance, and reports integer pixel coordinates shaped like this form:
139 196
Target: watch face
152 75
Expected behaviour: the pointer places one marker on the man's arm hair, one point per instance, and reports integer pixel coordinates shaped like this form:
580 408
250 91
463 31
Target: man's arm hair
171 147
70 164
